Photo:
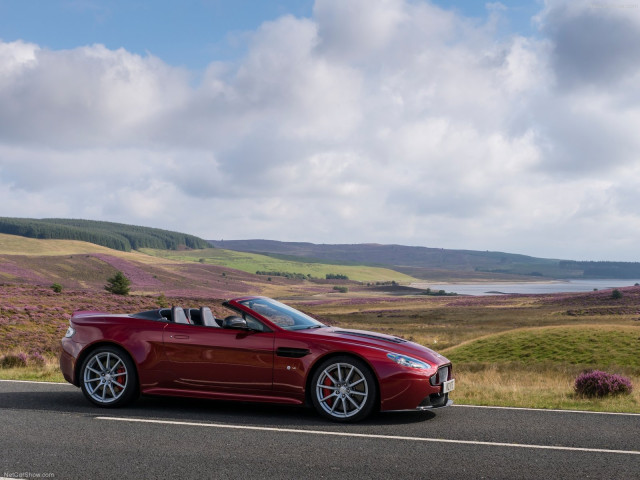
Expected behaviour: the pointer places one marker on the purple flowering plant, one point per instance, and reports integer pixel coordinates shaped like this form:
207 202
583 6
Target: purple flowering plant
596 383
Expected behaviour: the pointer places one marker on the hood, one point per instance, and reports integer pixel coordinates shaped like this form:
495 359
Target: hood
383 342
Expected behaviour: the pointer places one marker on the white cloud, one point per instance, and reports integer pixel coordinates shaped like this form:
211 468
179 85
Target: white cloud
83 97
372 121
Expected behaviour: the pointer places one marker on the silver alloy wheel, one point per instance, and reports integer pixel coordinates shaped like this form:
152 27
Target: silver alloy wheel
105 377
342 390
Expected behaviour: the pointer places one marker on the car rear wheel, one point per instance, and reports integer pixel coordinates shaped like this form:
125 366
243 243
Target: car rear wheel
344 389
108 377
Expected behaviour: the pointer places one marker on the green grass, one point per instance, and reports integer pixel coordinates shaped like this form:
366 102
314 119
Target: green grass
47 373
588 346
31 247
252 262
17 245
537 367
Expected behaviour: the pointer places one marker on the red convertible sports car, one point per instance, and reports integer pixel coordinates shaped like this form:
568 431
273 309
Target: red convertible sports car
264 352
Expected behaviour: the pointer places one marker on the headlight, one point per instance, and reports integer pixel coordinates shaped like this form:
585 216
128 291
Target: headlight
408 361
70 332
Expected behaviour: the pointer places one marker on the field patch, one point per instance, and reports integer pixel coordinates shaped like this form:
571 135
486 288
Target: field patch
588 346
15 245
253 262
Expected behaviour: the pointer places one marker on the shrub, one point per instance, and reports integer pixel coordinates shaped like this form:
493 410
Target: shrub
596 383
118 284
12 360
341 289
616 294
271 273
36 358
162 301
56 287
336 276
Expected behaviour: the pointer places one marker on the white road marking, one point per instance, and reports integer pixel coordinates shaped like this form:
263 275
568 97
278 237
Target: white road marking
367 435
35 381
548 410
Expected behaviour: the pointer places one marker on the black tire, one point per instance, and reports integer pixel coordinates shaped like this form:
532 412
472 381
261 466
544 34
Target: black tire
108 377
343 389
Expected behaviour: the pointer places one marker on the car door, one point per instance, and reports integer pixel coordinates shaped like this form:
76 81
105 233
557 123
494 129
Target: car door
214 359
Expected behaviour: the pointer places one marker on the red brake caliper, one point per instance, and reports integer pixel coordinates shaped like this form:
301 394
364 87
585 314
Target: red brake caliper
120 378
326 391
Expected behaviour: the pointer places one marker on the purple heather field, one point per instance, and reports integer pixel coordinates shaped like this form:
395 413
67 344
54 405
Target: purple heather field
35 318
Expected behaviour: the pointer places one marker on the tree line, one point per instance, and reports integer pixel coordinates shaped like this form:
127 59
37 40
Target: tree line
117 236
301 276
273 273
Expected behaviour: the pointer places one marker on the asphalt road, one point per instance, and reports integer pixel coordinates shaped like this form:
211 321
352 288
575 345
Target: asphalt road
51 431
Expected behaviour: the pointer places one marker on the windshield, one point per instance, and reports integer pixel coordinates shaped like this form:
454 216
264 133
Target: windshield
281 314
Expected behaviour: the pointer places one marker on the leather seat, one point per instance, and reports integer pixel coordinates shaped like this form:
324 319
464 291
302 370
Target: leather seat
208 320
179 316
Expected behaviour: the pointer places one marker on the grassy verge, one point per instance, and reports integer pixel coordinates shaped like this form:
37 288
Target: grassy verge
50 372
537 367
542 387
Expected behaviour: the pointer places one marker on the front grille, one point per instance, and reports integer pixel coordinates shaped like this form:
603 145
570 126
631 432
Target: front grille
441 376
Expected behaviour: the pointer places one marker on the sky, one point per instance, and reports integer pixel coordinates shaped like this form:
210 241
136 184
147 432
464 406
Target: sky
506 126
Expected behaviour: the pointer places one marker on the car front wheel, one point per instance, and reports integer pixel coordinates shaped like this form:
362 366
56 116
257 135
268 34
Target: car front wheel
344 389
108 377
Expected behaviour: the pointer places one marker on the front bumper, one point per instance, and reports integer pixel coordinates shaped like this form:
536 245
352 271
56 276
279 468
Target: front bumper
68 355
411 389
435 400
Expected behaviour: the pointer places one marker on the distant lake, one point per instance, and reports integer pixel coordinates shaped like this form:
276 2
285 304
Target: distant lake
551 287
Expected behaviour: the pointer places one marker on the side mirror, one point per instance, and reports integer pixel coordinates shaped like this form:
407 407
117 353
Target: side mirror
233 321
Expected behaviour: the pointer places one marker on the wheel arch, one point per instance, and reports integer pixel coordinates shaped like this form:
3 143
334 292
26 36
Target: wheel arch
94 346
316 365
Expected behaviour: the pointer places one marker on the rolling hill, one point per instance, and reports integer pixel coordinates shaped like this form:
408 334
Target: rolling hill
86 266
588 345
367 262
436 263
212 273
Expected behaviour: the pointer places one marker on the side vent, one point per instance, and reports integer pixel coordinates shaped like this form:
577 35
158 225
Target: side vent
292 352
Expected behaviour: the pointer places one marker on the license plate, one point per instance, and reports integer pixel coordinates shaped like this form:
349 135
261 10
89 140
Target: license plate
448 386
